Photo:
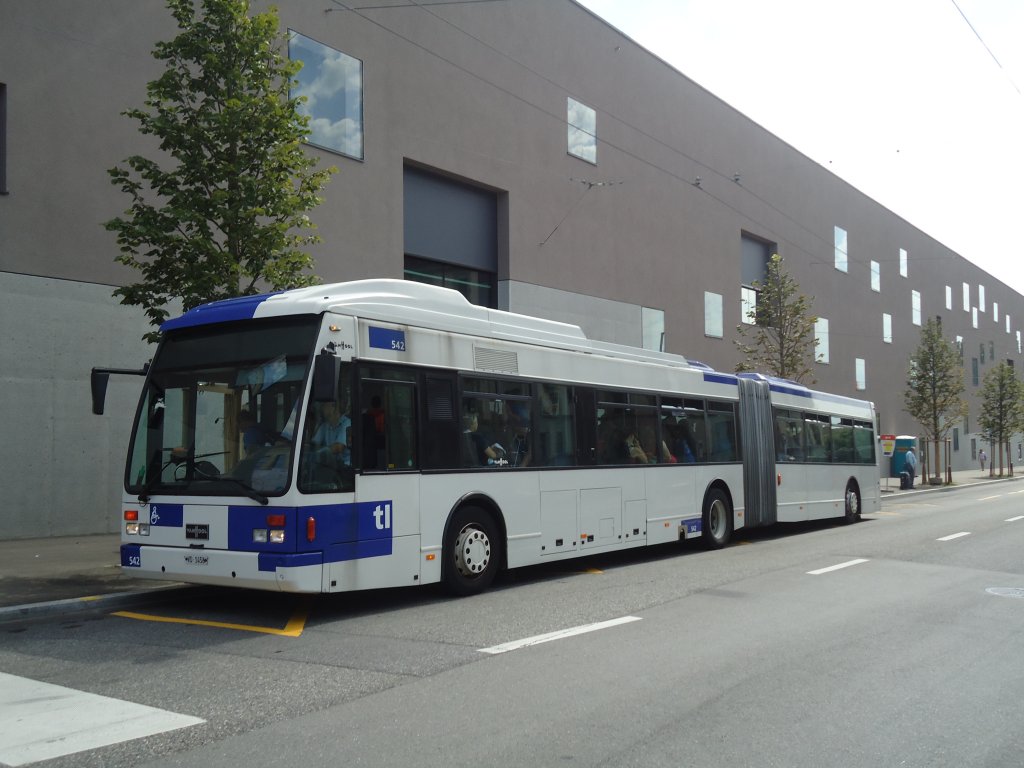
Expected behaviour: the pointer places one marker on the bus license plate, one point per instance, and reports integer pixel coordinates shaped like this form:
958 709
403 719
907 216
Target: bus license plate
197 559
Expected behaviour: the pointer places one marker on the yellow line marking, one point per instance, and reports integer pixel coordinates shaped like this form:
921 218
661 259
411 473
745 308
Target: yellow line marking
296 624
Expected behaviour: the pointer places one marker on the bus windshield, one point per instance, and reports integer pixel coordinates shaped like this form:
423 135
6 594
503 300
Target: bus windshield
220 410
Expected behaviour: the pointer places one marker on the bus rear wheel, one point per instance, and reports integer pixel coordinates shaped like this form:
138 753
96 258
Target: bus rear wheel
851 503
472 552
716 519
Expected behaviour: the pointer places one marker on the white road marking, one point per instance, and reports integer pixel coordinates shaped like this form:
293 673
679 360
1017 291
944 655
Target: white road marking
559 635
1014 519
831 568
954 536
989 498
41 721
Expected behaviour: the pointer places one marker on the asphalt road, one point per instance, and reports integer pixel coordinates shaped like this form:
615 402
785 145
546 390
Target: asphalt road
764 654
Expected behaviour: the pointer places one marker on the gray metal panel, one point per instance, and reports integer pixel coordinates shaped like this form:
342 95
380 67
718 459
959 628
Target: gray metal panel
451 222
758 453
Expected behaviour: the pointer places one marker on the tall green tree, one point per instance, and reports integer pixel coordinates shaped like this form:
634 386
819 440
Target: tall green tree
783 341
935 387
1002 410
223 213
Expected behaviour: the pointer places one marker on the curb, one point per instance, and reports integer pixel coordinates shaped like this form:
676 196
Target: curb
74 605
896 493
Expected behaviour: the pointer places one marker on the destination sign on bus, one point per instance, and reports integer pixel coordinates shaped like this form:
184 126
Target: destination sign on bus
387 338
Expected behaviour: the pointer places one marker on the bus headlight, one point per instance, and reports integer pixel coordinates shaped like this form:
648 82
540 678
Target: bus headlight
259 535
277 537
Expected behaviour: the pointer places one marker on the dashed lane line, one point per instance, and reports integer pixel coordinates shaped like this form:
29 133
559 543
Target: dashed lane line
954 536
838 567
558 635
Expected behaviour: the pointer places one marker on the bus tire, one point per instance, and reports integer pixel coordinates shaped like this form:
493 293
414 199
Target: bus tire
472 551
716 519
851 503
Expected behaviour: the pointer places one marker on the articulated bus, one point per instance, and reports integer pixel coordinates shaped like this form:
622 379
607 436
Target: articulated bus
382 433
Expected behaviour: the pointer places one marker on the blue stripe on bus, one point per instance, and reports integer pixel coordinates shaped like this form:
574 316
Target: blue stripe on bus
240 308
131 555
720 378
343 531
790 390
167 515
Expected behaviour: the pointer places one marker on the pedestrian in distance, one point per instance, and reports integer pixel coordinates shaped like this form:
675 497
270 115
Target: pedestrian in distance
982 457
910 464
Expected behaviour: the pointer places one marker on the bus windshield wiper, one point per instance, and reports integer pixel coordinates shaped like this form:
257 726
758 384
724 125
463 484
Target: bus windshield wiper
251 492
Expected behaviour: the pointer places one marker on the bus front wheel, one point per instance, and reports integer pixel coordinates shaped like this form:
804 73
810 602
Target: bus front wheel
472 551
716 519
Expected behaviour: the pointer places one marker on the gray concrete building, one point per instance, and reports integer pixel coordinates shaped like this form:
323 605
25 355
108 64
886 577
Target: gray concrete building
523 151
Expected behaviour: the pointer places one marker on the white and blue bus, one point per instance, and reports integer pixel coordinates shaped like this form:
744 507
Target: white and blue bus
384 433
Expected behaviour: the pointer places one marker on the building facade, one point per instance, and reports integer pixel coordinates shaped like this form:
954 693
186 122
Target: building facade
524 152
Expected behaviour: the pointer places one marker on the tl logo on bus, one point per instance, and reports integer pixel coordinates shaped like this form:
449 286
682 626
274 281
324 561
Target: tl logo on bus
382 517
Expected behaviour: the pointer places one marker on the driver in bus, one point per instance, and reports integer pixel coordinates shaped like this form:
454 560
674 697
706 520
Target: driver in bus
333 438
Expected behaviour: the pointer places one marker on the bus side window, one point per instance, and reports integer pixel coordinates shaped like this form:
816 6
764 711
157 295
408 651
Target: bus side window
386 430
555 441
722 428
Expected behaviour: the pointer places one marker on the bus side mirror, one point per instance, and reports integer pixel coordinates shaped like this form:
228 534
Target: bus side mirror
325 378
98 382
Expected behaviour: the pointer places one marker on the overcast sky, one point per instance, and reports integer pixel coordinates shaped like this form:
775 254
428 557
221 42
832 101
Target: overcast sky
923 113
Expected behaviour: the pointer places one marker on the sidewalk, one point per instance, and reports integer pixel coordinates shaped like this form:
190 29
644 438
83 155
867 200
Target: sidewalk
64 574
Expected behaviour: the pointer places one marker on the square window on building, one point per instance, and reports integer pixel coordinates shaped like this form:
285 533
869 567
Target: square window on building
967 298
861 369
653 322
974 317
992 351
949 297
842 249
582 130
981 354
332 84
995 311
981 297
903 262
821 352
886 328
974 371
1007 323
960 348
876 277
713 321
915 307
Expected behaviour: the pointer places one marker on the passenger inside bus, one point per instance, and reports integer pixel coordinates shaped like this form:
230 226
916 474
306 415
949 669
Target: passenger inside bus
519 434
478 448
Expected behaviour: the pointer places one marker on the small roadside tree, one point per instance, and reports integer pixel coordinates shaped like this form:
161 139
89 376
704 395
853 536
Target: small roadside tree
226 215
935 387
783 341
1002 410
